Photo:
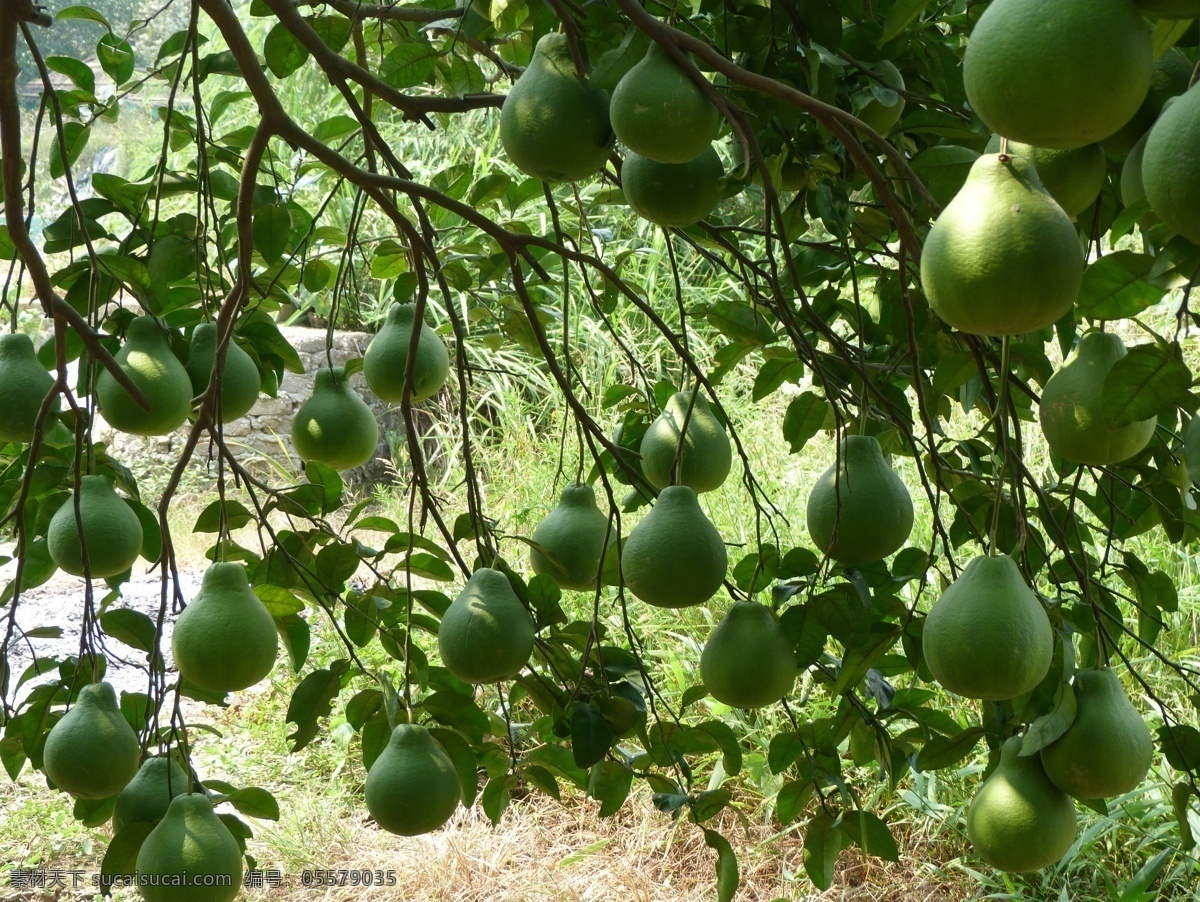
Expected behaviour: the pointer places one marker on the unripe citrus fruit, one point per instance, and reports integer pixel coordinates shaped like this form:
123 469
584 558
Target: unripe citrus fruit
674 557
111 530
92 752
412 787
748 661
571 539
486 635
386 359
706 457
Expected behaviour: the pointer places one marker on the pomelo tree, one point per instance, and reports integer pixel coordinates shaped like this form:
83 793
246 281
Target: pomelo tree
844 130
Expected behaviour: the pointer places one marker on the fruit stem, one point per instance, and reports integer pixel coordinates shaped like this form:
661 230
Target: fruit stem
1001 444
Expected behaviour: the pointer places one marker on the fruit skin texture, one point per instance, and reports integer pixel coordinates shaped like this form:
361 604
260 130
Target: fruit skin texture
335 426
1002 258
1170 9
574 534
673 194
1019 820
1132 189
988 636
240 381
148 795
859 511
748 661
1107 750
674 557
552 125
412 787
190 840
707 455
1171 166
1071 414
386 358
486 635
659 112
147 358
110 528
24 384
876 114
225 639
1072 177
92 752
1172 72
1061 74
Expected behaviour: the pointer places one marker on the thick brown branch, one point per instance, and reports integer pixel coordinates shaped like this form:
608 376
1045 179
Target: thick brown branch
357 12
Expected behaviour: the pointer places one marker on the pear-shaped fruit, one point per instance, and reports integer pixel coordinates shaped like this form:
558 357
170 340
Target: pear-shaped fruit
1107 750
386 360
240 380
988 636
1019 820
486 635
875 112
1172 72
92 752
1071 412
1072 177
674 557
1002 258
859 511
1191 448
572 539
1062 74
148 795
748 661
225 639
190 856
706 457
1170 9
110 528
673 194
412 787
147 359
1171 166
659 112
553 125
24 384
335 426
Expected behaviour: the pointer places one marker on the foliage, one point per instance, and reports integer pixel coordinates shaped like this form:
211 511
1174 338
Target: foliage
342 157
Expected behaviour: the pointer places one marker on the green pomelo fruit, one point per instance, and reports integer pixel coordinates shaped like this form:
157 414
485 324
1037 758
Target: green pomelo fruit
1171 166
1071 412
572 539
552 125
1170 9
335 426
24 384
673 194
659 112
1072 177
148 795
1002 258
190 856
706 457
1191 448
1062 74
486 635
240 380
748 661
148 361
859 510
883 114
1019 820
1132 189
225 639
1172 72
386 359
92 752
674 557
1108 749
412 787
988 636
110 528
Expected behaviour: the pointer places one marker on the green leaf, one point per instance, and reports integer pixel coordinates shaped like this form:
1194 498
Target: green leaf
805 416
1149 380
278 601
74 140
1180 745
1181 796
272 227
283 53
236 516
591 735
336 127
408 65
120 858
899 17
116 58
727 866
81 13
255 802
334 31
336 563
731 751
76 70
133 628
944 751
609 783
312 700
871 834
390 259
1117 286
1139 885
823 842
460 753
496 796
1047 728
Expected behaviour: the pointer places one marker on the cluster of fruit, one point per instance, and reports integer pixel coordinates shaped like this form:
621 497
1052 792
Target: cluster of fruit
555 127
